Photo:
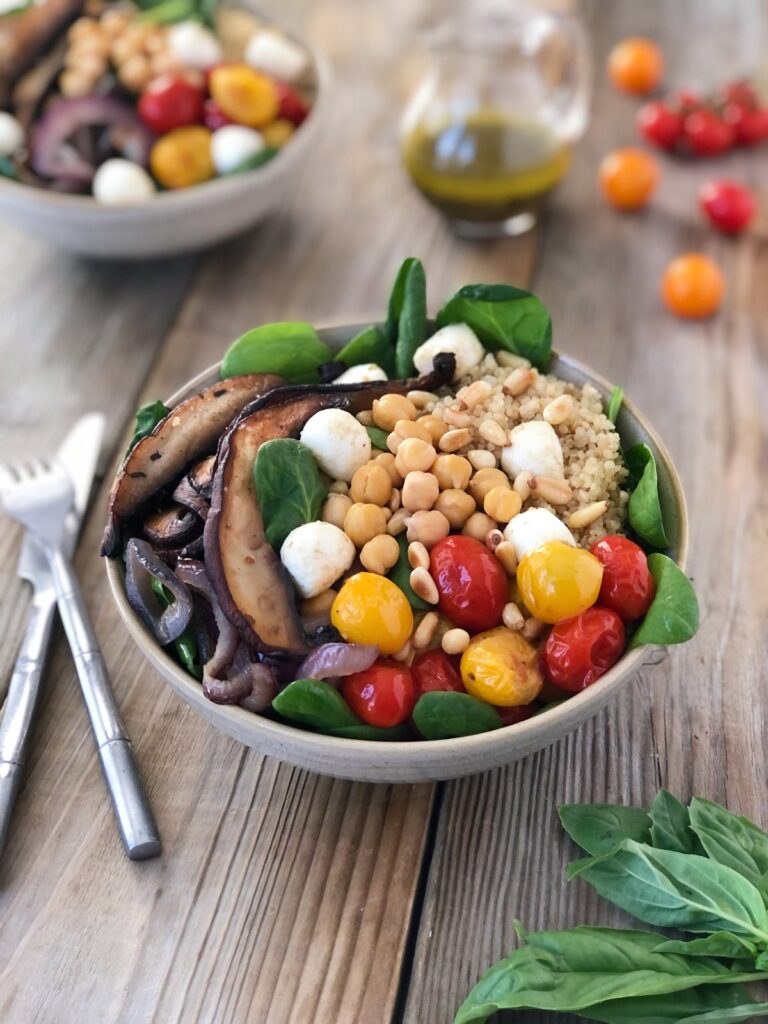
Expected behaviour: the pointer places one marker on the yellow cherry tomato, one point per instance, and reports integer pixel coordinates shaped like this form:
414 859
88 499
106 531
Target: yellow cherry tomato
244 95
183 157
628 177
277 134
370 609
558 581
636 65
692 285
502 668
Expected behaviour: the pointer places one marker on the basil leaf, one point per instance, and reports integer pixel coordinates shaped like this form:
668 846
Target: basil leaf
316 704
677 890
503 317
446 714
724 944
727 1016
644 511
291 349
369 346
762 961
378 438
407 314
147 418
732 840
600 828
673 616
615 403
290 489
669 825
715 1003
400 573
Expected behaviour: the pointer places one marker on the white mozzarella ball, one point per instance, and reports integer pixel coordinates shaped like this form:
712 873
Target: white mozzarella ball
457 338
338 441
232 145
276 54
194 45
315 555
534 527
534 446
363 373
11 134
120 182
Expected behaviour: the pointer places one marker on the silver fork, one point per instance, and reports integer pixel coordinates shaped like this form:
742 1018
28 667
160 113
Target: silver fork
39 496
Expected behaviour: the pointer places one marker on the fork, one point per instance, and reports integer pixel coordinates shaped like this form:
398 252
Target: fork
39 495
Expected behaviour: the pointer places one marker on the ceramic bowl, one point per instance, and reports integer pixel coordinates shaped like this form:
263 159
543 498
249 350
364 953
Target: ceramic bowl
424 761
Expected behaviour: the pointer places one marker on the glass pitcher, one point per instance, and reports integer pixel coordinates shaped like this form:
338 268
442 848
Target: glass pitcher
489 129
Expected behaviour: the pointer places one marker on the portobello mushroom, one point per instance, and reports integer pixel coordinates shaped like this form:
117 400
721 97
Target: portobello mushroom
188 432
252 587
172 527
26 34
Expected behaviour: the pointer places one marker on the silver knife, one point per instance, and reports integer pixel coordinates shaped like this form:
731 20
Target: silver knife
78 455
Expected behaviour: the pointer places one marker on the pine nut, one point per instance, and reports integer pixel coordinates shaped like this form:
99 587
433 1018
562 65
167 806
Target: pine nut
396 524
491 431
522 484
394 500
556 492
518 381
504 358
455 439
456 418
455 641
421 399
425 631
533 628
586 515
424 586
502 504
505 553
339 487
493 539
418 556
559 410
404 653
512 617
365 417
481 459
476 393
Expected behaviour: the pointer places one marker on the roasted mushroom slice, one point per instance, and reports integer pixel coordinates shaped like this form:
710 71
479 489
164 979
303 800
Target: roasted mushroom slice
172 527
201 476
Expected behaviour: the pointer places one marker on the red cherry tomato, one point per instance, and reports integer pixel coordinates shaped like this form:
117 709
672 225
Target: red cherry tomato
435 670
707 134
739 92
686 100
627 587
750 126
660 124
214 117
511 716
578 651
293 107
383 695
169 103
470 581
729 206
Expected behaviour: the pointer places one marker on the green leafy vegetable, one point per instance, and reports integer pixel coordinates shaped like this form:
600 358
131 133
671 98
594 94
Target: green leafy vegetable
400 573
762 961
291 349
446 714
406 325
378 438
673 616
732 840
369 346
707 1004
147 418
730 1015
371 732
7 166
503 317
669 825
722 944
186 645
600 828
290 489
644 510
319 706
257 160
615 403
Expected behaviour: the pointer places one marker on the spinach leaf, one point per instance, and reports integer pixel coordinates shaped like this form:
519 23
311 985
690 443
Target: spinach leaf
378 438
673 616
371 732
406 325
400 573
732 840
503 317
7 166
319 706
369 346
718 1004
291 349
166 12
669 825
445 714
600 828
147 418
644 510
615 403
185 646
290 489
257 160
724 944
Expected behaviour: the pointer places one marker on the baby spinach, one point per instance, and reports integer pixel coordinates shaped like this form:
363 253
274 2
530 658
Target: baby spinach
673 616
670 825
732 840
362 731
378 438
600 828
644 510
147 418
257 160
7 166
406 325
369 346
446 714
319 706
400 573
503 317
615 403
291 349
290 489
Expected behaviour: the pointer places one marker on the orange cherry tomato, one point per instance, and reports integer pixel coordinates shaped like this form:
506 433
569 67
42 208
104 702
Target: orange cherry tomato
244 95
183 157
628 177
692 285
635 65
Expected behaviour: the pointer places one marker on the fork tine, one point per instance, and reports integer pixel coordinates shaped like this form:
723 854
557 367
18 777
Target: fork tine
7 475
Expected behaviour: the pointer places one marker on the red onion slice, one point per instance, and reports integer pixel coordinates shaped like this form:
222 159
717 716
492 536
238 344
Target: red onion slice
141 566
337 660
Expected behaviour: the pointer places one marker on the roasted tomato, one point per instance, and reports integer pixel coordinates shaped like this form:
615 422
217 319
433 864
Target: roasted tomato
502 668
383 695
580 650
435 670
628 586
471 582
169 103
292 106
370 609
558 581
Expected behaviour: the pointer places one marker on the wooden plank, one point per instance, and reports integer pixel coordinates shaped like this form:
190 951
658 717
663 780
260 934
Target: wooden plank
695 723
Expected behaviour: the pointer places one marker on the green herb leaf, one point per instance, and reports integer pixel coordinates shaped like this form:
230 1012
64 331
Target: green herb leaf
503 317
731 1015
706 1003
290 489
724 944
7 166
673 616
316 704
369 346
614 404
762 961
147 418
669 825
291 349
732 840
406 325
601 828
400 573
166 12
644 510
378 438
371 732
445 714
257 160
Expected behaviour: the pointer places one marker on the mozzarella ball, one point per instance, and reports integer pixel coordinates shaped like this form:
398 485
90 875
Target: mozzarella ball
276 54
232 145
534 446
120 182
315 555
340 443
194 45
457 338
11 134
534 527
363 373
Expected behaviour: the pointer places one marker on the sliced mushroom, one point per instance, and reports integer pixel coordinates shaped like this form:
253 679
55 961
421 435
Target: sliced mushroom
172 527
28 33
186 494
201 476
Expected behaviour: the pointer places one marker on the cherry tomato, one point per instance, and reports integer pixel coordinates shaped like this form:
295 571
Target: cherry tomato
511 716
692 285
370 609
383 695
628 586
471 582
628 177
635 65
501 668
214 117
686 100
707 134
435 670
277 133
660 124
169 103
558 581
244 95
728 205
580 650
750 126
293 107
739 92
183 157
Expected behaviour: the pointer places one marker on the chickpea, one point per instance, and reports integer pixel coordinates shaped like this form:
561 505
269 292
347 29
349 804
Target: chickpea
502 504
135 74
420 491
89 64
434 425
113 23
380 554
335 509
397 523
427 528
484 481
409 428
365 417
414 454
318 606
81 29
371 483
74 83
339 487
481 459
452 471
387 461
389 409
363 522
456 505
123 48
479 525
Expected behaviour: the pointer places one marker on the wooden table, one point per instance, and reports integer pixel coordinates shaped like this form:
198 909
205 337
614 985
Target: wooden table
287 897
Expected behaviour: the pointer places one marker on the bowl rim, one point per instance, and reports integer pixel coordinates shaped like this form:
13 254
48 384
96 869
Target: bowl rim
408 756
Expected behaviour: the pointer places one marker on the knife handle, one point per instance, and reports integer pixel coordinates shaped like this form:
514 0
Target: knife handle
138 830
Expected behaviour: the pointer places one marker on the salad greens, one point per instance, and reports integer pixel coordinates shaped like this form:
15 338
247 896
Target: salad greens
369 346
406 325
670 825
614 404
378 438
319 706
291 349
445 714
186 645
147 418
645 516
673 616
400 573
290 489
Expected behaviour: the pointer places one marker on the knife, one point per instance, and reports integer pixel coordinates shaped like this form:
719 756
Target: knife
78 455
